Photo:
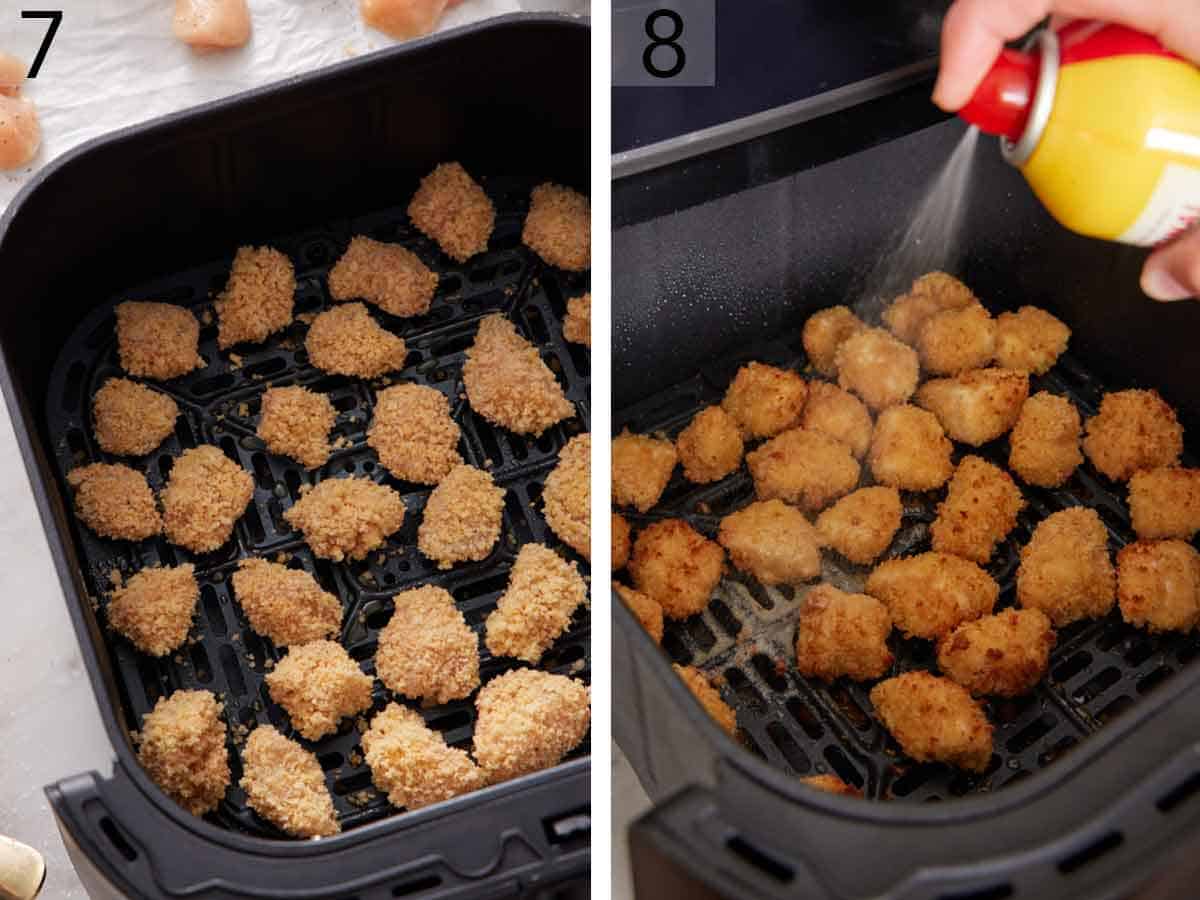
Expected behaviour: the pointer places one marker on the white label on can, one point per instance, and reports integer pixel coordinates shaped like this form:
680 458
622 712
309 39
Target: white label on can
1173 208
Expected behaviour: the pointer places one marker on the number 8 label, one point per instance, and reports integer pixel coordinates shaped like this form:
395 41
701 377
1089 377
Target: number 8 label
667 40
664 43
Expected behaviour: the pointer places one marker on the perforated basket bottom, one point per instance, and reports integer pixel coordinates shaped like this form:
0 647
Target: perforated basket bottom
745 639
220 405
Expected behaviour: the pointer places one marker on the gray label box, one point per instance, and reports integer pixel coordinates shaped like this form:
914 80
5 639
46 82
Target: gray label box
672 42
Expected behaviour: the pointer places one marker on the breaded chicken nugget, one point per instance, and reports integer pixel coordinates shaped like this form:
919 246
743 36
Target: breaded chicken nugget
837 414
1065 570
318 685
130 419
930 294
772 542
508 384
388 275
567 495
577 326
296 423
641 468
646 611
979 511
205 495
529 720
909 450
212 24
346 517
1165 503
977 406
462 518
935 720
345 340
621 534
403 19
258 297
451 208
182 748
411 763
285 605
709 698
1005 654
154 608
413 433
1133 430
1158 585
764 400
710 447
157 340
878 368
535 609
559 227
930 594
831 784
427 651
842 634
284 783
803 467
1030 340
824 332
956 340
676 567
115 501
1043 448
862 524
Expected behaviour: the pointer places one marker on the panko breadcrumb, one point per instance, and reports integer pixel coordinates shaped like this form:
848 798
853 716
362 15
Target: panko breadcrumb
838 414
1030 340
388 275
1005 654
831 784
955 340
930 594
426 650
641 468
862 524
773 542
676 567
535 609
645 610
413 433
824 332
318 685
451 208
910 450
803 467
935 720
1065 570
979 511
284 783
976 406
1165 503
258 297
710 447
462 518
157 340
130 418
205 495
930 294
154 608
347 517
345 340
577 326
182 749
621 541
880 369
1133 430
508 383
527 721
296 423
559 227
285 605
708 696
842 634
567 495
115 501
412 764
765 400
1158 585
1043 448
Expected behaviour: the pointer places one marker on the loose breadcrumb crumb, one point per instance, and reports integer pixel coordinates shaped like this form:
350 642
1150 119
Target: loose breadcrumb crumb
1165 503
842 634
910 450
765 400
676 566
345 340
645 610
284 783
710 447
115 501
413 433
559 227
527 721
862 524
621 535
720 711
831 784
880 369
1158 585
535 609
567 495
157 340
154 608
285 605
1044 444
935 720
641 468
1030 340
318 684
1005 654
451 208
182 748
577 326
838 414
130 418
1133 430
347 517
773 542
427 651
462 518
412 764
930 594
387 275
824 332
296 423
204 497
258 298
802 467
1065 569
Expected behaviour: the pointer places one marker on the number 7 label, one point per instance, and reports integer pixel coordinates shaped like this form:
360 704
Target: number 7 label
55 16
667 43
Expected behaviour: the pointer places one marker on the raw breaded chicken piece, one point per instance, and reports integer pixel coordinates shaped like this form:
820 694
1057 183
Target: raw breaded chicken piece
414 434
1030 340
930 294
115 501
182 749
708 696
131 419
535 609
296 423
212 24
412 764
824 332
641 468
621 541
1165 503
676 567
710 447
935 720
567 496
765 400
1133 430
559 227
508 383
12 75
154 608
979 511
842 634
909 450
462 518
1005 654
527 721
773 542
831 784
258 297
862 524
880 369
318 685
803 467
955 340
157 340
451 208
347 517
1065 569
644 609
287 606
838 414
345 340
403 19
1158 585
20 132
1043 448
577 326
285 784
206 494
930 594
977 406
388 275
427 651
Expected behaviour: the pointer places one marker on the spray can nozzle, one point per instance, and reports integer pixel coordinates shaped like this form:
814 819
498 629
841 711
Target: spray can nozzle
1003 100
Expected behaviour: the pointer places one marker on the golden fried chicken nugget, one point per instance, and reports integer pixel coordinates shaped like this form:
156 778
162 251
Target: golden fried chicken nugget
838 414
824 332
862 524
935 720
676 567
880 369
930 294
318 685
182 749
450 207
345 340
462 518
803 467
621 541
535 609
1030 340
1158 585
842 634
1065 570
295 423
130 418
909 450
710 447
577 326
1005 654
641 468
644 609
709 698
285 605
764 400
413 433
157 340
206 494
1043 448
115 501
955 340
773 542
1165 503
977 406
388 275
154 608
831 784
567 495
258 297
412 764
1133 430
285 784
930 594
559 227
979 511
346 517
427 651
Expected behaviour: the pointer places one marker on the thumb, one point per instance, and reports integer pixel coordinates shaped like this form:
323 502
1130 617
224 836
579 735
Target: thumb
1173 272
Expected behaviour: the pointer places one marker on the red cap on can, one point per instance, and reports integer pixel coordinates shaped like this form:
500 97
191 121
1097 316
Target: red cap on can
1002 101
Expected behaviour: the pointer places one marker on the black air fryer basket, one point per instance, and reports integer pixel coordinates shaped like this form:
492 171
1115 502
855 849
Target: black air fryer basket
718 259
156 212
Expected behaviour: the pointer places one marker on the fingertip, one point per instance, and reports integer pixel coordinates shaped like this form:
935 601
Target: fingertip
1159 284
